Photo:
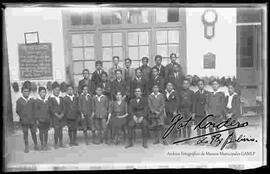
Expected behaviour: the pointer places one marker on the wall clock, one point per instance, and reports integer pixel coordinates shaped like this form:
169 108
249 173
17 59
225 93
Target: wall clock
209 18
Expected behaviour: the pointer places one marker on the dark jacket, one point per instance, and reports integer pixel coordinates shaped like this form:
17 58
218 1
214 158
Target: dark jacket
96 77
215 104
171 102
54 107
89 83
235 110
71 109
120 86
161 71
42 110
159 81
176 81
146 72
169 69
139 109
101 108
186 100
25 110
139 84
85 104
199 102
106 87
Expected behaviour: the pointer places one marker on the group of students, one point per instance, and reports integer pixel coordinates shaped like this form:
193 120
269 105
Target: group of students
120 101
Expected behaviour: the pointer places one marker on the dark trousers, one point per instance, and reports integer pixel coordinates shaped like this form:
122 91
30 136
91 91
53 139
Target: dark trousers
43 132
58 135
198 118
131 127
72 130
33 129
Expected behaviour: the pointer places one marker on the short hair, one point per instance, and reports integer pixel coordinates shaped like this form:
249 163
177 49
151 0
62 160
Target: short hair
55 85
170 83
137 69
138 88
176 64
49 85
173 55
85 70
155 85
27 84
15 86
69 85
98 62
186 79
117 57
41 88
33 87
145 58
24 87
98 86
214 80
119 92
200 80
118 70
158 56
84 86
128 59
155 68
104 73
63 87
231 84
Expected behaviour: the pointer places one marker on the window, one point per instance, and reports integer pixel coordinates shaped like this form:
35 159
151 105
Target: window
137 16
167 43
167 15
138 46
111 17
83 54
246 46
112 45
85 18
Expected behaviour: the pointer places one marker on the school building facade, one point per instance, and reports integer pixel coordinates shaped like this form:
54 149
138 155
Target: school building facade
208 41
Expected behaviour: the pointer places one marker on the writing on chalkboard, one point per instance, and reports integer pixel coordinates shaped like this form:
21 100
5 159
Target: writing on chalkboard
35 61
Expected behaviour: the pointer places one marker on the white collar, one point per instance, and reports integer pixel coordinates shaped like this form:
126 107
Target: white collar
232 94
70 96
155 94
99 96
138 78
86 95
55 96
168 91
119 80
26 99
42 99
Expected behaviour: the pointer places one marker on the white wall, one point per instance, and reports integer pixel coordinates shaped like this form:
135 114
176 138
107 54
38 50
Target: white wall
48 23
223 45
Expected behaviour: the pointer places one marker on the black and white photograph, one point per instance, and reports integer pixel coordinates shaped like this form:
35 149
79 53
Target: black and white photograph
134 86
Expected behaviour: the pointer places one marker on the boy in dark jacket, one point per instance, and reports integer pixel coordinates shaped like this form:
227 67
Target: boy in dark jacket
71 112
156 80
85 107
96 76
232 110
199 104
56 109
119 84
186 105
105 84
25 110
139 82
43 117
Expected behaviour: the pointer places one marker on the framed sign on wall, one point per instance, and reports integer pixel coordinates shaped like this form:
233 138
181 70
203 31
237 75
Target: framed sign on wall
209 61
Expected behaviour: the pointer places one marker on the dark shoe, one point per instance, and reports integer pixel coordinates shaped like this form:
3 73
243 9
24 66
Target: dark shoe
70 144
156 142
56 146
145 145
129 145
36 148
42 148
62 146
46 148
26 150
75 144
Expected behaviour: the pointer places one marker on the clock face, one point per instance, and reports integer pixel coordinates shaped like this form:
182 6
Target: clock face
210 16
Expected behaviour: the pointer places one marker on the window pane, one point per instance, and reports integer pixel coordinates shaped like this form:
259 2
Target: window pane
105 18
162 50
76 19
89 53
87 19
161 15
106 39
88 39
165 61
116 17
78 67
137 16
117 39
133 53
143 38
173 15
144 16
173 36
77 78
106 66
133 38
76 40
111 17
173 49
107 53
161 37
77 53
144 52
136 63
118 51
90 65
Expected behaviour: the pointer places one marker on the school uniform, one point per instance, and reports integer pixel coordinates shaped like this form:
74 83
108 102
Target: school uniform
120 85
56 105
161 70
169 69
157 81
43 118
176 78
232 103
199 103
96 76
85 107
117 109
138 108
146 72
89 84
185 107
106 88
139 83
71 112
25 110
216 106
100 110
129 74
111 73
171 105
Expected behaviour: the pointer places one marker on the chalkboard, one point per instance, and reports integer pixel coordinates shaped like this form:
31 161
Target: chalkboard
35 61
